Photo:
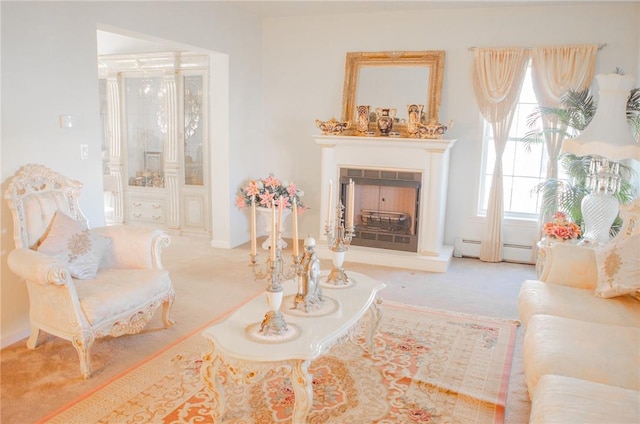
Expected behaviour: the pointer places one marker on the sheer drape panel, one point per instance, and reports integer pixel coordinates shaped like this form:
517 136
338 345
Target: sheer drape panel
497 80
554 71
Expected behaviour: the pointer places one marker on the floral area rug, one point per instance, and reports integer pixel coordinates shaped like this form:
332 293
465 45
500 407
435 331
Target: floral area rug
428 366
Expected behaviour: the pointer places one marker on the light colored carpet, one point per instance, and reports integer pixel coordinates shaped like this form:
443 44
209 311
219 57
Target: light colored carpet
428 365
210 282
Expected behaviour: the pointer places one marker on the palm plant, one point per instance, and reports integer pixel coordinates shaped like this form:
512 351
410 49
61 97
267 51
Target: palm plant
576 111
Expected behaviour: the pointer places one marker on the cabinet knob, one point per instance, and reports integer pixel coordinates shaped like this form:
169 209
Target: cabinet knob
156 206
137 204
137 215
156 217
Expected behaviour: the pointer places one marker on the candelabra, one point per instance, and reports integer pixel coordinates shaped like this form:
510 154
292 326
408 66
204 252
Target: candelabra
274 272
339 238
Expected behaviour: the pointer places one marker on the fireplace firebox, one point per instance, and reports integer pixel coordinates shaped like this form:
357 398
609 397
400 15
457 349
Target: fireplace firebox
386 205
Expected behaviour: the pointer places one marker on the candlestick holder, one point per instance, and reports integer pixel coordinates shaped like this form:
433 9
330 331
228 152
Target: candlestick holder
339 239
273 323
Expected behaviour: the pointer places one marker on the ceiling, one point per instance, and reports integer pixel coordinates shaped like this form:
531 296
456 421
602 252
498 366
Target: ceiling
112 43
272 9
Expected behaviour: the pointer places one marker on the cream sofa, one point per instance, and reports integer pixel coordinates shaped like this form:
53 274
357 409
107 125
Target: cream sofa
582 331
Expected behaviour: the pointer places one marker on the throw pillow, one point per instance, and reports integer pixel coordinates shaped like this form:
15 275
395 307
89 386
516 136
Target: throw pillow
618 267
78 247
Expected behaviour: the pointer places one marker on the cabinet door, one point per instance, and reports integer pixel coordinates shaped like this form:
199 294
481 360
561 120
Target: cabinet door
194 130
146 127
194 191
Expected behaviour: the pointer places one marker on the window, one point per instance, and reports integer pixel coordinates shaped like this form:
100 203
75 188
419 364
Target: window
522 168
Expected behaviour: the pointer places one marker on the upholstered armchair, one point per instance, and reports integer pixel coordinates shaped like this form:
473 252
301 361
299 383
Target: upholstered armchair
83 283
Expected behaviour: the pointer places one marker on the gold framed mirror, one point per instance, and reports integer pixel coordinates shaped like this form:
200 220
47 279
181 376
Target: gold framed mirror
393 80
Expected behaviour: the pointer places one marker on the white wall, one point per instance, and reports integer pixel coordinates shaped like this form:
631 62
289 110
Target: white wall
304 60
49 68
283 74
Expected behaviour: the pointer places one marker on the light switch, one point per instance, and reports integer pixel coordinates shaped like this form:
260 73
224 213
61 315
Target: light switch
84 151
66 121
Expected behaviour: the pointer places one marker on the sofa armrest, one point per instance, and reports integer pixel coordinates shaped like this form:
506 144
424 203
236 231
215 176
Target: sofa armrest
570 265
133 247
38 267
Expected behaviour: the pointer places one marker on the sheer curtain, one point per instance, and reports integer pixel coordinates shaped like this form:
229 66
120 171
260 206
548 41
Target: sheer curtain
554 71
497 80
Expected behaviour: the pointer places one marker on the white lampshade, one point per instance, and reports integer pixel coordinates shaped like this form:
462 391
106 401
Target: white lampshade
608 134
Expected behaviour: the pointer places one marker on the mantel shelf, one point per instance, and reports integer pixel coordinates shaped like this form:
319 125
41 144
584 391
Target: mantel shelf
395 142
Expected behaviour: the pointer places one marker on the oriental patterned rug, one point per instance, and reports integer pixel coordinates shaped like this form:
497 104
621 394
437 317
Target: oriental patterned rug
429 366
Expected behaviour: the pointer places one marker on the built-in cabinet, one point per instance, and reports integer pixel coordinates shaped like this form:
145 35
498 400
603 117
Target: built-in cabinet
155 149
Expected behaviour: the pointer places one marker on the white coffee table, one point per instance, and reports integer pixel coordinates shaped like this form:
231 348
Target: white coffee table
247 359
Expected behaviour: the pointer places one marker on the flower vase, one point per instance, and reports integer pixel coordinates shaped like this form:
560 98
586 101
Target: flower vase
414 113
385 117
362 119
264 217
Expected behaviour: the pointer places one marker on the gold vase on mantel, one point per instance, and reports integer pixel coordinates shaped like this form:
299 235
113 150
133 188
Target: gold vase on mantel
414 112
362 120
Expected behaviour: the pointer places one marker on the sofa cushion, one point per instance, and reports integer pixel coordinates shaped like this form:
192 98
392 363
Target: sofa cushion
607 354
538 297
115 292
618 267
78 247
562 400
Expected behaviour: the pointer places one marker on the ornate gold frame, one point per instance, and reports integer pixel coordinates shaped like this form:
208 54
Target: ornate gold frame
433 59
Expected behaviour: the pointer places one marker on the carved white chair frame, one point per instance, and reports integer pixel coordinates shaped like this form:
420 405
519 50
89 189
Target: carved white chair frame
34 195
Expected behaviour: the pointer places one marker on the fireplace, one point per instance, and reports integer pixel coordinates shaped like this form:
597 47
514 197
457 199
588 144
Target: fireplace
386 207
400 198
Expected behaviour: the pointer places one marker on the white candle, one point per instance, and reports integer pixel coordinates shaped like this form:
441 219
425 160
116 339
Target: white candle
352 190
253 226
280 211
329 205
295 228
272 248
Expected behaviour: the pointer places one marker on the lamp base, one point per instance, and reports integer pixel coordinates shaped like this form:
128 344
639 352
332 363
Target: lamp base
599 211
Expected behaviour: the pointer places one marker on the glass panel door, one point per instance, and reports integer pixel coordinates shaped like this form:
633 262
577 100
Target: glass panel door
193 130
146 128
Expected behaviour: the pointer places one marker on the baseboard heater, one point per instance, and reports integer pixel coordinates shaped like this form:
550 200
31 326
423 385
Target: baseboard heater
519 253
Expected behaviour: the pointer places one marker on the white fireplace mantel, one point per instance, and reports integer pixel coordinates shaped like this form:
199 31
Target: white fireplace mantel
430 157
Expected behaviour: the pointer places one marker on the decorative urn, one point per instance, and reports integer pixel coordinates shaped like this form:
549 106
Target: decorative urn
433 129
332 126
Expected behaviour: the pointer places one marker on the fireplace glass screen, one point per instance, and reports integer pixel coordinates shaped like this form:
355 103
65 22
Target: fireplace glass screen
386 207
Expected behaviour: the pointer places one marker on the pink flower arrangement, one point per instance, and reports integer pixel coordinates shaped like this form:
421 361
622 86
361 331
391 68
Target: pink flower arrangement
561 228
268 191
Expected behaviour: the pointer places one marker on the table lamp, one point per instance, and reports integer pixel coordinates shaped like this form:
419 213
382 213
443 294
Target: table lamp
608 139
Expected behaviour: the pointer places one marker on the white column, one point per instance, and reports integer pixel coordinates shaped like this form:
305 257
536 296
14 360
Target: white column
116 164
171 152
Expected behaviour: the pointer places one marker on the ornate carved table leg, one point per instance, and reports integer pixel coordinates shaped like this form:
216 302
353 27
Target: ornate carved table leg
301 384
376 314
210 372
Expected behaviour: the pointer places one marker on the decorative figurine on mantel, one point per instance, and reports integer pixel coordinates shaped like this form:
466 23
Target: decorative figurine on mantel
385 117
363 119
433 130
332 126
309 295
415 118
